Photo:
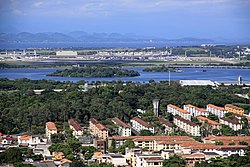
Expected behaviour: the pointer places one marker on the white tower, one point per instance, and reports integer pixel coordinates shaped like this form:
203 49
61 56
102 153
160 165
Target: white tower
156 106
239 80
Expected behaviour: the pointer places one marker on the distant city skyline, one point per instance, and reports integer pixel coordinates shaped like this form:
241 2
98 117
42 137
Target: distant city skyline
156 18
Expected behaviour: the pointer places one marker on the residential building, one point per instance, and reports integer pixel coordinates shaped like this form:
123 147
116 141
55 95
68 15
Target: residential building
97 129
139 124
115 159
149 160
191 159
227 139
178 111
76 127
168 126
100 145
234 109
209 124
154 143
50 129
218 111
232 123
187 126
123 129
195 111
6 139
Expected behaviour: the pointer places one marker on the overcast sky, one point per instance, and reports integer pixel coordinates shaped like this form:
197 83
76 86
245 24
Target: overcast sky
159 18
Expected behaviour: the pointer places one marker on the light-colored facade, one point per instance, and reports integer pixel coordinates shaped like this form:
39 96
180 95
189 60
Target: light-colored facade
209 124
218 111
168 126
139 124
50 129
234 124
123 129
76 127
195 111
234 109
148 161
187 126
97 129
178 111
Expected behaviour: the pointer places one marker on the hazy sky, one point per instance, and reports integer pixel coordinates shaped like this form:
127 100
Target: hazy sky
160 18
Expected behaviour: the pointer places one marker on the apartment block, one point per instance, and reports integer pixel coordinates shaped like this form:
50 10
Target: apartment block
178 111
76 127
139 124
168 126
187 126
232 123
97 129
50 129
123 129
195 111
234 109
209 124
218 111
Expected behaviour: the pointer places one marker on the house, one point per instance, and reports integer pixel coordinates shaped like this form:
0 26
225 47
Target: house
97 129
149 160
195 111
76 127
191 159
100 145
6 139
178 111
187 126
218 111
24 140
30 141
209 124
139 124
50 129
115 159
234 109
232 123
123 129
168 126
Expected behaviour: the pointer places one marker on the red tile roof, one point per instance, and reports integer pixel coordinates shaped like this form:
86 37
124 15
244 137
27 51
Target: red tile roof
165 122
233 121
232 106
185 121
178 108
75 125
101 126
209 121
120 123
216 107
196 108
142 122
25 137
51 125
151 138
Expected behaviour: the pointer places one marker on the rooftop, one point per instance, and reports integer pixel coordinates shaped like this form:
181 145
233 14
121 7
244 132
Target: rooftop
142 122
51 125
93 121
178 108
151 138
196 108
216 107
120 123
101 126
25 137
230 120
209 121
185 121
165 122
232 106
75 125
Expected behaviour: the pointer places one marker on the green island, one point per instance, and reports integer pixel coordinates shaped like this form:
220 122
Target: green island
162 68
95 72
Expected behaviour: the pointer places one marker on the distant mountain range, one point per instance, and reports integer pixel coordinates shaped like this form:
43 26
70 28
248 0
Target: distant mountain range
81 36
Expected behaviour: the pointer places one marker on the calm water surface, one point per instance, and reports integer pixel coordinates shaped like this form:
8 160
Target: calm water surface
187 74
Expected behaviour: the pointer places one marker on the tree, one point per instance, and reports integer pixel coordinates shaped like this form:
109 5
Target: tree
126 144
145 132
243 143
174 161
219 143
11 155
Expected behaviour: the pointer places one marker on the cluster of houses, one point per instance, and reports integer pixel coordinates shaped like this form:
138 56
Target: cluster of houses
150 150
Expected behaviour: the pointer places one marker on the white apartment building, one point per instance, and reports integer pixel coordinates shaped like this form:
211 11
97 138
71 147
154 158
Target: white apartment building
187 126
139 124
195 111
168 126
76 127
178 111
218 111
50 129
149 160
232 123
123 129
